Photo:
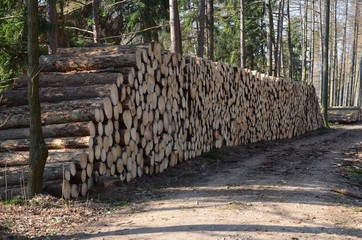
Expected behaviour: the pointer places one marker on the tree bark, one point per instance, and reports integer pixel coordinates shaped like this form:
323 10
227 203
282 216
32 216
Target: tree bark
210 27
242 37
95 12
201 36
290 47
175 29
52 20
278 48
325 63
354 56
304 42
38 151
271 38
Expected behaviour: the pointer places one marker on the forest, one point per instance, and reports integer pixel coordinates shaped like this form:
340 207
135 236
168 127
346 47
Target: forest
281 38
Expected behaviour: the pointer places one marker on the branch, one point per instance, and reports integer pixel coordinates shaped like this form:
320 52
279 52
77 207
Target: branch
79 29
9 17
3 124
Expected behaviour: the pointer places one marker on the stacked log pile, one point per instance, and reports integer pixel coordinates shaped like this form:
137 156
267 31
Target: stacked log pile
161 109
343 115
68 102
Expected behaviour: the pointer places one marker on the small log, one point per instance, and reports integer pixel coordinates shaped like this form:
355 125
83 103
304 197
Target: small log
52 143
19 97
75 129
55 63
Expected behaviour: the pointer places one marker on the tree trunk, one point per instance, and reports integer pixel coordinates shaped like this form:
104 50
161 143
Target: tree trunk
201 36
95 11
38 151
175 29
271 40
354 55
210 28
278 48
290 47
242 37
52 20
335 60
326 63
343 60
304 42
312 60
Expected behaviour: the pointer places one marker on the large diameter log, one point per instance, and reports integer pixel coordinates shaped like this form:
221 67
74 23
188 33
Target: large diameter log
20 158
52 143
76 129
15 176
72 79
55 63
52 113
99 50
19 97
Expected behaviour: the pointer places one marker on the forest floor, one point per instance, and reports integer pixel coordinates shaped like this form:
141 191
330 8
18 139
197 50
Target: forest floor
309 187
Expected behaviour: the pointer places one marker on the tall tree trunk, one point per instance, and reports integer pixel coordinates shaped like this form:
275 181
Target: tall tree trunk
38 151
321 48
290 47
242 36
63 39
52 20
278 48
312 60
335 59
304 43
358 101
201 35
354 54
210 28
326 63
271 39
95 11
343 60
175 28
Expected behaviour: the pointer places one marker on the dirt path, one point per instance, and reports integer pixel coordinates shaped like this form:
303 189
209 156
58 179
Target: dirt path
275 190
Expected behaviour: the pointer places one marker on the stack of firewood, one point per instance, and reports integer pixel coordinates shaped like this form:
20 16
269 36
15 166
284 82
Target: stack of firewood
161 109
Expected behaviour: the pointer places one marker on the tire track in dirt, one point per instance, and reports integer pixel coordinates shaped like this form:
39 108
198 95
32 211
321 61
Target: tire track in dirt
270 190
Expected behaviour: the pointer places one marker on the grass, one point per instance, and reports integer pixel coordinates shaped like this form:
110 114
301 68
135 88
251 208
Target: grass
17 200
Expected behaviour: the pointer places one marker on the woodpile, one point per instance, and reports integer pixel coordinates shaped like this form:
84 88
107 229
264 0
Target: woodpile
343 115
158 109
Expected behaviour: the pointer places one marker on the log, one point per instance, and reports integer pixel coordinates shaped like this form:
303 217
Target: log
76 129
71 79
99 50
52 143
18 97
55 63
52 113
20 158
17 175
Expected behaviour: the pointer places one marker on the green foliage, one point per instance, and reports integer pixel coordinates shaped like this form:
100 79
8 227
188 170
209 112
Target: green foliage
12 41
18 200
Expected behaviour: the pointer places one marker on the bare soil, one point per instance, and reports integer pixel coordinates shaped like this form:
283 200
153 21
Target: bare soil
304 188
